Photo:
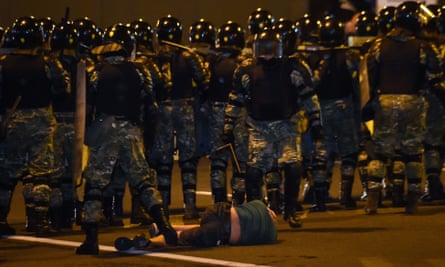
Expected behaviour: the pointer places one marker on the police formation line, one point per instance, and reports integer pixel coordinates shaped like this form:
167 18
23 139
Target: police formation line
282 102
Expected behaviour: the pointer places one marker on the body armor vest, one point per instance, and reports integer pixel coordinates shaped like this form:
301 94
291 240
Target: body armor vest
337 82
25 75
182 79
119 91
271 95
221 79
400 58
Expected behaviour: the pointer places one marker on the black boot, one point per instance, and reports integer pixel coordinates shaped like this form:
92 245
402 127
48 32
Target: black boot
190 210
238 197
163 224
55 217
412 198
219 194
320 196
292 176
398 192
44 229
138 242
372 203
67 217
433 189
90 246
166 200
138 214
254 182
346 194
31 222
274 200
5 228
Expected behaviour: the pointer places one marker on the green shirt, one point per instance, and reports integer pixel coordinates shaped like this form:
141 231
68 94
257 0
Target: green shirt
257 227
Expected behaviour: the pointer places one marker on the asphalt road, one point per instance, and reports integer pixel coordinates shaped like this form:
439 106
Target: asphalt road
337 237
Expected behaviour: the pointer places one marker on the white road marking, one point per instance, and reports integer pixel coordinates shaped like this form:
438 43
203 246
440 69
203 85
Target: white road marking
137 252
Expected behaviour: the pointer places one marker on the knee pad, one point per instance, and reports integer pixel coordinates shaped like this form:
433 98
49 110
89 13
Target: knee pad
56 198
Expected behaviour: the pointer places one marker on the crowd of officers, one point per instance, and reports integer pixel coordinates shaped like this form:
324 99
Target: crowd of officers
281 103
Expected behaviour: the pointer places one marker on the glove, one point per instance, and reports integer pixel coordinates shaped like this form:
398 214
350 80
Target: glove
317 133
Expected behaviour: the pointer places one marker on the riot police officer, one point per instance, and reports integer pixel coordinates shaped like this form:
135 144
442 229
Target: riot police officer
188 76
270 86
399 66
30 80
115 136
63 43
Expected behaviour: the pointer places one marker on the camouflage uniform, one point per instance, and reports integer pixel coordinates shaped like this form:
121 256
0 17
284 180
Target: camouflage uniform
223 65
400 108
336 79
29 145
272 135
434 145
177 123
116 141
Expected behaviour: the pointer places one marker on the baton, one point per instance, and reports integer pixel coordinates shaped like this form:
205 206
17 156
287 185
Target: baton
234 157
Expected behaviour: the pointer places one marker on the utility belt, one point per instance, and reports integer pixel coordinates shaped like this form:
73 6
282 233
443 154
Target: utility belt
218 104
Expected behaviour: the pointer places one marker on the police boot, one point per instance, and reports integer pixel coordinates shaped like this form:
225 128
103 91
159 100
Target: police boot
166 200
5 228
138 214
412 198
346 194
364 194
238 197
90 246
292 176
138 242
372 203
398 192
67 217
118 210
433 189
219 194
320 196
31 222
55 217
44 229
274 200
254 181
163 224
190 210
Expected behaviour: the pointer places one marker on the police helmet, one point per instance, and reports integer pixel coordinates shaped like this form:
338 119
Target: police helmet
47 24
268 43
143 33
8 40
366 24
288 32
307 29
27 33
231 34
121 34
332 32
385 19
259 20
412 16
89 34
65 36
202 32
168 29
